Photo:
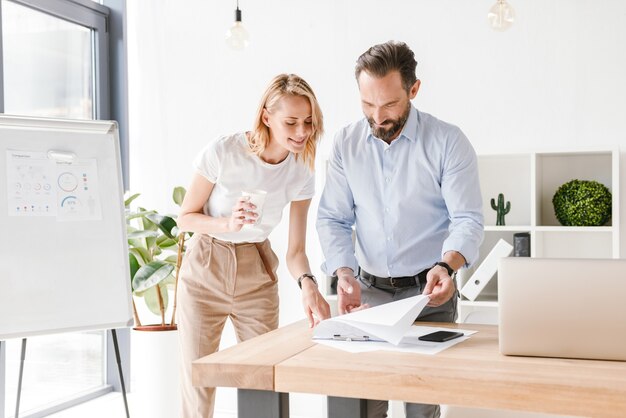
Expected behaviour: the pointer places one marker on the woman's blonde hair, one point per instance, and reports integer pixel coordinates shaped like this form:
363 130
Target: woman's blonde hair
281 86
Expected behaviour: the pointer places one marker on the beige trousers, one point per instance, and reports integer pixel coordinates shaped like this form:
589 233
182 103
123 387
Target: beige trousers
220 280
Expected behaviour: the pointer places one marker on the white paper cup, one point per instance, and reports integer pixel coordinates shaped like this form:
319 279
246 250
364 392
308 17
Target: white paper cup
257 198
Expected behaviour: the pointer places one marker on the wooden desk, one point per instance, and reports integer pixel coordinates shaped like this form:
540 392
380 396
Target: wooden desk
472 373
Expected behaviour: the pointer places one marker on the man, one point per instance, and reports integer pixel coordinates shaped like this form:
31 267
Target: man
408 182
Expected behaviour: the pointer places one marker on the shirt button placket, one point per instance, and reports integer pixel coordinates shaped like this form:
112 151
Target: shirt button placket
387 218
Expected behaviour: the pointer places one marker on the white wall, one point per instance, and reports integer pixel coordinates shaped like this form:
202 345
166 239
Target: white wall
554 80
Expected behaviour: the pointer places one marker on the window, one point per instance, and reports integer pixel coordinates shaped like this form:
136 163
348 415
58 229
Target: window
48 65
54 61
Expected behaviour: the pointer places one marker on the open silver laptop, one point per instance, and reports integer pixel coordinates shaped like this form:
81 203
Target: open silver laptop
571 308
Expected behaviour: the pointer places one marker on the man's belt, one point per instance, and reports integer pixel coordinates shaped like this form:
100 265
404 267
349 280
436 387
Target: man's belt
395 282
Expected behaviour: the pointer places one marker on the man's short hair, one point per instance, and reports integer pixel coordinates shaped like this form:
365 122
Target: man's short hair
382 59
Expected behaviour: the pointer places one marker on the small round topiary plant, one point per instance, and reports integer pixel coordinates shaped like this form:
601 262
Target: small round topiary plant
582 203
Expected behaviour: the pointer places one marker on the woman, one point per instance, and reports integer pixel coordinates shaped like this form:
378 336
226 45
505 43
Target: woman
229 270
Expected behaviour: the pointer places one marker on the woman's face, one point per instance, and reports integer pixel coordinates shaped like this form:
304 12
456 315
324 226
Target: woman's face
290 123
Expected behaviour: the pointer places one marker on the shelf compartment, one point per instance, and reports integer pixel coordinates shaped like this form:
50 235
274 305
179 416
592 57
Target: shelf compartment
555 169
574 244
511 176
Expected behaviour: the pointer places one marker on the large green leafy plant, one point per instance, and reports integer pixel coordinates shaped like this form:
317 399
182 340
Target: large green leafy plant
155 247
582 203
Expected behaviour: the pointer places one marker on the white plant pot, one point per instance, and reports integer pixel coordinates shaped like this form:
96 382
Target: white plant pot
155 380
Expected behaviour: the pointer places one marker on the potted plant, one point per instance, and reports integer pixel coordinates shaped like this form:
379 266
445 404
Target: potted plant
156 248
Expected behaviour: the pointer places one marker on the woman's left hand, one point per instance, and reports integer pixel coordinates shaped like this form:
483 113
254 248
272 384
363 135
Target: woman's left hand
315 306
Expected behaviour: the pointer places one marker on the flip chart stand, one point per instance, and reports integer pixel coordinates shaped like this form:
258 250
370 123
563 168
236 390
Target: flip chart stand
119 370
19 380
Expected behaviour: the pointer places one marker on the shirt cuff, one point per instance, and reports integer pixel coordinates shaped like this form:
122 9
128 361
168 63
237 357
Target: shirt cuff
331 265
468 251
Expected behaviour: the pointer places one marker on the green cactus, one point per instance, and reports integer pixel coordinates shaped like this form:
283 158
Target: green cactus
500 208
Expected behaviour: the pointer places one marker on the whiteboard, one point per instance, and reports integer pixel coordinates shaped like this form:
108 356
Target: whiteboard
63 249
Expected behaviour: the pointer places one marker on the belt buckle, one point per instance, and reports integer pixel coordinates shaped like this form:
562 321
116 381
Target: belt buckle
392 282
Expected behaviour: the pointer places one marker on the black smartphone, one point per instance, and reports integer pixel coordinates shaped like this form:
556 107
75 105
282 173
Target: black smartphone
440 336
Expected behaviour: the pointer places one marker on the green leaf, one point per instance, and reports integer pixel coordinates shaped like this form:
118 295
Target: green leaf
142 234
137 243
179 195
173 259
146 224
168 243
164 223
169 282
128 201
138 214
151 298
134 265
151 274
141 254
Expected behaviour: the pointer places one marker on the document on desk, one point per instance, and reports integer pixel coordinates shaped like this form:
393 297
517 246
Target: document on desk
387 322
383 327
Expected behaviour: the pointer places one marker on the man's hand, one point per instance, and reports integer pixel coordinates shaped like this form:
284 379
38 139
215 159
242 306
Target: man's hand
315 306
439 286
348 291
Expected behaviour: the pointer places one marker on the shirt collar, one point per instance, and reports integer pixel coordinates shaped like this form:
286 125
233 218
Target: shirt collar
409 131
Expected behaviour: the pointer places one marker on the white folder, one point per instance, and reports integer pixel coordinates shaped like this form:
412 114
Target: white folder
487 269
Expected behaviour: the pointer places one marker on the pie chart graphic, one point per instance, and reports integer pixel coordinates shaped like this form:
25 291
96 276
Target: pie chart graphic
70 204
67 182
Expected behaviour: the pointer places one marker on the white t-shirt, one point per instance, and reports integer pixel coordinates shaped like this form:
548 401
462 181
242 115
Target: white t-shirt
228 163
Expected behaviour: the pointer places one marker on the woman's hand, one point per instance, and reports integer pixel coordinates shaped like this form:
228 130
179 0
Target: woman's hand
243 213
315 306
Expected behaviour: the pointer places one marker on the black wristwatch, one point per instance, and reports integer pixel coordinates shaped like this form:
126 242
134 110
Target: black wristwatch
445 266
304 276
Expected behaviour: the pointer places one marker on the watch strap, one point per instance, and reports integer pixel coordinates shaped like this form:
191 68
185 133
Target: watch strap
304 276
445 266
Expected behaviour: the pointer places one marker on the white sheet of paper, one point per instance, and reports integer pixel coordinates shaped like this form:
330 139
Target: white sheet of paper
40 186
388 322
408 344
78 196
31 188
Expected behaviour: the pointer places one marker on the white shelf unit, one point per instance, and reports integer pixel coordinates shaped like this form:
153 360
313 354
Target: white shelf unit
529 181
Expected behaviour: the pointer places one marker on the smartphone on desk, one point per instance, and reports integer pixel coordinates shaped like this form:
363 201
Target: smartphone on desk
440 336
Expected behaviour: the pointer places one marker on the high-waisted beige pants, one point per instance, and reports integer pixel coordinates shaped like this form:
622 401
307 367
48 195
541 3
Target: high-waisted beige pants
220 280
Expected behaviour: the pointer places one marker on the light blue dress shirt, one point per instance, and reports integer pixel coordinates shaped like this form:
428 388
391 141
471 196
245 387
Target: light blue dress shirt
410 201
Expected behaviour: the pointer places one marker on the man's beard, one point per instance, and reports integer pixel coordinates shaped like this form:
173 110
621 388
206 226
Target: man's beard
395 128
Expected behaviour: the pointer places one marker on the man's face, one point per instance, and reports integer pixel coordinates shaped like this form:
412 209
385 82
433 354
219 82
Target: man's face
385 103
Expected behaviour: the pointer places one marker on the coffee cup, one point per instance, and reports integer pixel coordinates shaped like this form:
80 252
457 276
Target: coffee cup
257 198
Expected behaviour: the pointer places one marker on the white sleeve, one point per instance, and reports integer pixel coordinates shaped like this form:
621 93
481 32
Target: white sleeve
308 191
207 162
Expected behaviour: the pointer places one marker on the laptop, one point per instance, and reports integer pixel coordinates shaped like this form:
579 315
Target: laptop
570 308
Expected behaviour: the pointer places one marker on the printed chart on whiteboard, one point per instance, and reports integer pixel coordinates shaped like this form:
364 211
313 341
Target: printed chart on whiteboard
41 186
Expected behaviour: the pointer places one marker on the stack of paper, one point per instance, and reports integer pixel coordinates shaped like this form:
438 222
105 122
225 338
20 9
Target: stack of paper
383 327
388 322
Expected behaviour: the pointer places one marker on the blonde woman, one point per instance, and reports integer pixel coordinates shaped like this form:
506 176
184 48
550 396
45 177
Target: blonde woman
229 270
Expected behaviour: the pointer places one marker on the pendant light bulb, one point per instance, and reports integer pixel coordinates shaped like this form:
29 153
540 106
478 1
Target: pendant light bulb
501 16
237 37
